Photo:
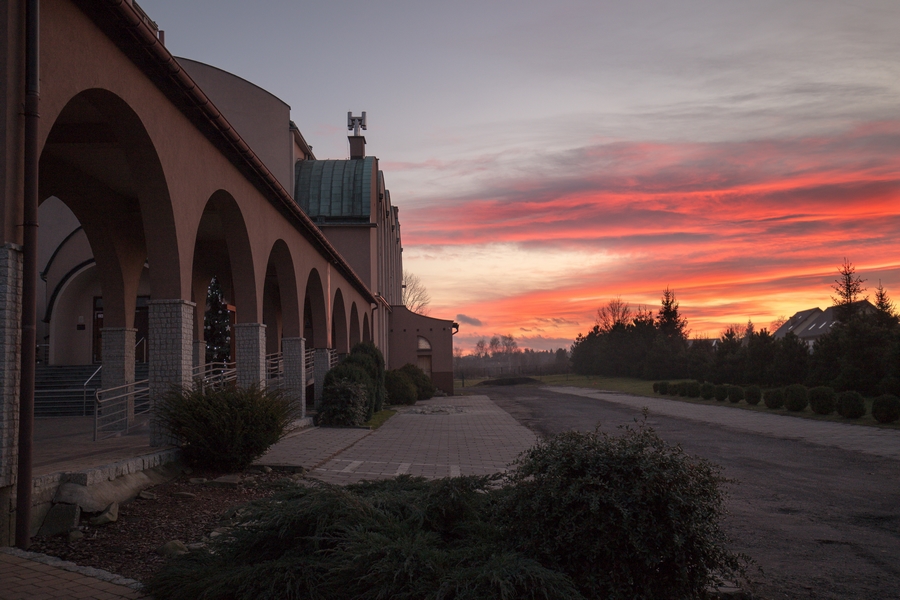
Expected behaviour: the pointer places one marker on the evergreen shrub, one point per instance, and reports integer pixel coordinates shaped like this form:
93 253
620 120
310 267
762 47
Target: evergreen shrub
683 389
822 400
774 398
851 405
707 391
735 394
693 389
375 370
663 387
752 395
655 387
795 397
346 396
400 390
224 429
886 408
721 392
674 388
424 387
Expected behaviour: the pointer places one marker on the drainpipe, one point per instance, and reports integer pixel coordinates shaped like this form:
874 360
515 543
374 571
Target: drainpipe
29 276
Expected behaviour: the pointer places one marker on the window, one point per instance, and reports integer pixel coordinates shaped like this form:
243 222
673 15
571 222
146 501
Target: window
423 344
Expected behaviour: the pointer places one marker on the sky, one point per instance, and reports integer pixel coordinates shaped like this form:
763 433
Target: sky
548 157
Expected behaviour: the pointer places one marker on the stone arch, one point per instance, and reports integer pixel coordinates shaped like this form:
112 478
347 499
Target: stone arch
315 317
354 325
339 337
366 331
281 310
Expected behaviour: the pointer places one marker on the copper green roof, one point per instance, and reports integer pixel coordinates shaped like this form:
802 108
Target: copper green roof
334 189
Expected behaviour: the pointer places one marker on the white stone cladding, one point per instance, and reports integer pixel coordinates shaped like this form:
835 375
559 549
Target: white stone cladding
10 347
250 348
321 366
293 351
171 352
199 353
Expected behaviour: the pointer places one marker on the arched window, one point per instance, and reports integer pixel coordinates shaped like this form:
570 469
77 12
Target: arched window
423 344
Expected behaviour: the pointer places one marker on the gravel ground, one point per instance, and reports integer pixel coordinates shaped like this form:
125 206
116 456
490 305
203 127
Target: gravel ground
128 546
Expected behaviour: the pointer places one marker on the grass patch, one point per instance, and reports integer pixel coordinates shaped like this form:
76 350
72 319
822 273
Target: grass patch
379 418
638 387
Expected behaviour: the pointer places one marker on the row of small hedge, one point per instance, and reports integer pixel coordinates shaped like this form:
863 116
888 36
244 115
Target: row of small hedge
823 400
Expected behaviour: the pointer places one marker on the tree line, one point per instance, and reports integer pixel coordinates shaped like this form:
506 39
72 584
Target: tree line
861 352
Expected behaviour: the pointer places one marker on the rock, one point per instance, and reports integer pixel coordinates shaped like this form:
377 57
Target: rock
187 470
184 495
198 480
75 535
145 495
267 469
109 515
196 546
229 481
173 548
60 519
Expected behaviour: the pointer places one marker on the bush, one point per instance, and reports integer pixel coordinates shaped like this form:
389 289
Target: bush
707 391
886 408
683 389
655 387
400 390
822 400
721 392
225 429
424 387
752 395
376 370
346 396
610 511
693 389
774 398
851 405
365 363
795 397
735 394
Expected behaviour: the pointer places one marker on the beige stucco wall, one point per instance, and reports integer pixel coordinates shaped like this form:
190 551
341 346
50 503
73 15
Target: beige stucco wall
405 329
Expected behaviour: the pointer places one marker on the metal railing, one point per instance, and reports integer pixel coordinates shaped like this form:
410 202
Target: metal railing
274 370
214 375
116 409
333 358
84 389
143 341
309 365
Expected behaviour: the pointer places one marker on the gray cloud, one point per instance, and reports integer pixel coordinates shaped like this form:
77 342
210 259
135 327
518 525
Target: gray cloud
469 320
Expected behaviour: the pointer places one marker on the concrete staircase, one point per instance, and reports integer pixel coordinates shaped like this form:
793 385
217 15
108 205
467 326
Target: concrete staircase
60 390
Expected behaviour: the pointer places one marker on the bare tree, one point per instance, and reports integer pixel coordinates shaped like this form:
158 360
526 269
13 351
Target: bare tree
495 346
414 295
616 312
777 323
510 346
481 348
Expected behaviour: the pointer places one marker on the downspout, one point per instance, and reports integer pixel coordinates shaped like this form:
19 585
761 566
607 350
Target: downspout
29 276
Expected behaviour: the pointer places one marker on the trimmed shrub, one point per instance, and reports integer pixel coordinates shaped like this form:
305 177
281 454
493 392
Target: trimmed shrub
721 392
346 396
822 400
663 387
693 389
367 364
424 387
376 371
851 405
683 389
400 390
795 397
774 398
886 408
674 388
752 395
225 429
735 394
655 387
707 391
624 517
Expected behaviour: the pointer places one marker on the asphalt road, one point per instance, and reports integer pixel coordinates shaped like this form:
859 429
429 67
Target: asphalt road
821 522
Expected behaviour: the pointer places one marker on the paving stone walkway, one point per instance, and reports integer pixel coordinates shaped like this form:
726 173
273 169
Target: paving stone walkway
847 436
441 437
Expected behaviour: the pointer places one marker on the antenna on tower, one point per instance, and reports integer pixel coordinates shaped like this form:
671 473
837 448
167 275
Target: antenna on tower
356 123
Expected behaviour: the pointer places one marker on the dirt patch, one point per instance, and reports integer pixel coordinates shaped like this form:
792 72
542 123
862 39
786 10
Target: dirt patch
128 546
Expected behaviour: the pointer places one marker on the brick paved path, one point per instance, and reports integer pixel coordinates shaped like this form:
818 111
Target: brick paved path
846 436
441 437
27 576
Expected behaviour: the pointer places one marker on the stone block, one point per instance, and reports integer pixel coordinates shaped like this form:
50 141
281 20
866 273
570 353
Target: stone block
60 519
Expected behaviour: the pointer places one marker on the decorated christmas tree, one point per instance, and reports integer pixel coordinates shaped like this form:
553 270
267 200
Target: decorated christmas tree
217 325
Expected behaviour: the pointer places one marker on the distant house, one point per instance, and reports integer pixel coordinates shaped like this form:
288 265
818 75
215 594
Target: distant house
812 323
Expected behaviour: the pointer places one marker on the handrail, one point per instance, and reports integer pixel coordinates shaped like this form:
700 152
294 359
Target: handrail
143 340
112 406
214 374
84 389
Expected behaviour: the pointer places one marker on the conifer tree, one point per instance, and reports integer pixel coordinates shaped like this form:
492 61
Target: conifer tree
848 287
217 325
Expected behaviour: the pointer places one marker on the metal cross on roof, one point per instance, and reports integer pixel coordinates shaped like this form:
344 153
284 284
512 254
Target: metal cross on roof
355 123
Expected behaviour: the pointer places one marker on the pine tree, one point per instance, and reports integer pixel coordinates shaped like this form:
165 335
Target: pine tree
887 314
668 321
217 325
848 287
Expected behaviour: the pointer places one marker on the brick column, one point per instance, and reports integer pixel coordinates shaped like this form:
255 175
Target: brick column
250 347
321 366
118 361
10 353
293 351
171 352
199 353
